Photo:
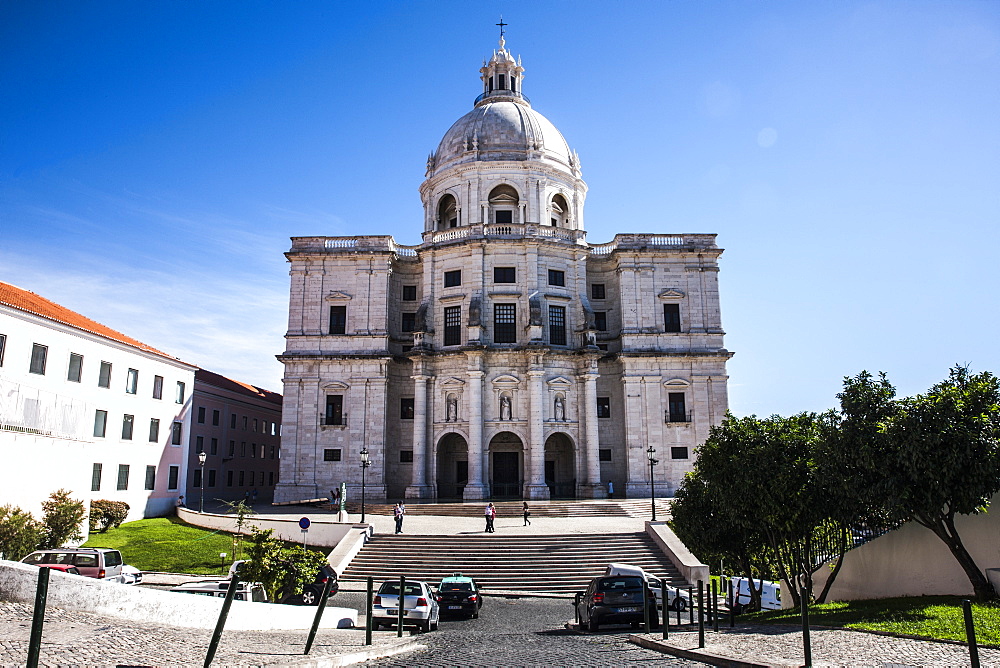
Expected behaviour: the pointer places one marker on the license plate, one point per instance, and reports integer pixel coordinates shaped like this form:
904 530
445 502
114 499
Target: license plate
628 609
454 607
392 612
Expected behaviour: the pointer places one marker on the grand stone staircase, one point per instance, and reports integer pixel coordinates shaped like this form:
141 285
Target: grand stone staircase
554 564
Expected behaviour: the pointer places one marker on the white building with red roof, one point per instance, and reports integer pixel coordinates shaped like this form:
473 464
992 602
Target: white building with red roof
86 408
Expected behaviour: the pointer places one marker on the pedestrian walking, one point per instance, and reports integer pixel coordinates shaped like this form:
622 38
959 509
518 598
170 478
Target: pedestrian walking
397 514
491 513
611 490
253 497
527 514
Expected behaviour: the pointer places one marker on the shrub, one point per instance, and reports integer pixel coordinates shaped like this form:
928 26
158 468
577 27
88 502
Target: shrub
105 514
20 532
62 519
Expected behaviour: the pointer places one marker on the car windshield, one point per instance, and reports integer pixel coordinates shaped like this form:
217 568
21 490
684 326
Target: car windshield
455 586
612 584
113 558
392 589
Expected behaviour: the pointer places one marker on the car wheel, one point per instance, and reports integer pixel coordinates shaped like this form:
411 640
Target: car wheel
424 626
678 605
592 624
309 596
475 615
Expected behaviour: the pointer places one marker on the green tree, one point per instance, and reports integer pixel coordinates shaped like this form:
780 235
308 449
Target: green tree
20 533
63 517
105 514
282 570
243 512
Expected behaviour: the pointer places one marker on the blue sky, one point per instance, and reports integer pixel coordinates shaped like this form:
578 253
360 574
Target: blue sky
155 158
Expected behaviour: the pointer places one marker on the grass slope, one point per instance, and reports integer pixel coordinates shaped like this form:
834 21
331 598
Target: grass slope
167 544
938 617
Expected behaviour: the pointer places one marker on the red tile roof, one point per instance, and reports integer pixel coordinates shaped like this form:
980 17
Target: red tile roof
29 302
201 375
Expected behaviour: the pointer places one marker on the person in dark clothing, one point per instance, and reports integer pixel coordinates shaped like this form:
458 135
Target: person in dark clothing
527 514
491 513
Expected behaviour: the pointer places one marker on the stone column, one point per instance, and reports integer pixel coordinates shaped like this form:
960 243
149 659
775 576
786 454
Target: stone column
418 488
537 489
592 486
474 488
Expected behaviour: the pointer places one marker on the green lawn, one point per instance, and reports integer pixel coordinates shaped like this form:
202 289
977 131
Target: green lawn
167 544
926 616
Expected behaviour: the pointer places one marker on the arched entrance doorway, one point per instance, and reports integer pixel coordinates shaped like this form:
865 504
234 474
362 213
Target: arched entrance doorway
452 466
560 467
506 466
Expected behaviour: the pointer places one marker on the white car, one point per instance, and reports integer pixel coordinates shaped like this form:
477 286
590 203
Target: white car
677 599
131 575
420 606
245 591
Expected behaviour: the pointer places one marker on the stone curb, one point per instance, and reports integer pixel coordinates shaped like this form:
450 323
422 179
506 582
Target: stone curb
362 656
697 655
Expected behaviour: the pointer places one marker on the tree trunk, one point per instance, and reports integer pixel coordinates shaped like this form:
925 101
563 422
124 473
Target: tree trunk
943 527
836 569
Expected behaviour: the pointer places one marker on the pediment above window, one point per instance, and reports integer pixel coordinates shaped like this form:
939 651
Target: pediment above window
337 296
506 380
335 386
452 383
560 383
671 293
676 383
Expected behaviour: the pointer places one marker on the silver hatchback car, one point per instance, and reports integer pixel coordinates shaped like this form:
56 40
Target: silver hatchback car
420 606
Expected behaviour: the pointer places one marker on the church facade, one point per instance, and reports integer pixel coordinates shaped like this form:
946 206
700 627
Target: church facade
504 356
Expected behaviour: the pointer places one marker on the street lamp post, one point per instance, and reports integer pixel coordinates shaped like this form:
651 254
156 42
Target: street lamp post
365 463
201 459
650 451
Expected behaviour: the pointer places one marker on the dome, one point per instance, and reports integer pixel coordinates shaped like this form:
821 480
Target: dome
502 130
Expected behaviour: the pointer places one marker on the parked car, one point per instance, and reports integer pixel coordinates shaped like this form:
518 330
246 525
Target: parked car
311 592
131 575
770 595
420 607
245 591
92 562
677 599
616 600
459 595
65 568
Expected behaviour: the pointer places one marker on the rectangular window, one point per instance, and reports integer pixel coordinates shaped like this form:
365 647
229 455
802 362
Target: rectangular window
270 478
211 477
452 325
173 473
452 278
150 477
95 478
334 409
154 430
331 455
127 423
229 478
104 378
75 368
131 381
177 430
409 293
272 452
38 355
122 477
199 444
602 346
338 319
3 346
255 425
676 412
253 450
604 454
261 483
180 393
597 291
409 322
215 418
504 323
157 387
504 275
232 421
232 448
100 423
603 407
197 478
244 423
406 408
243 448
406 456
201 415
671 317
601 321
557 277
214 448
242 478
557 325
678 453
503 217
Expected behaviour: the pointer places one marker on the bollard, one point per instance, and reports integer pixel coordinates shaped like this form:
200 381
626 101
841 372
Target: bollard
806 642
368 616
399 608
38 618
701 614
690 606
970 634
319 613
666 609
234 584
645 606
732 604
576 608
679 611
715 606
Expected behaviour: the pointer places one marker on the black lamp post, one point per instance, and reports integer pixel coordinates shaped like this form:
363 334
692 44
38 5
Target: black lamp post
201 459
365 463
650 451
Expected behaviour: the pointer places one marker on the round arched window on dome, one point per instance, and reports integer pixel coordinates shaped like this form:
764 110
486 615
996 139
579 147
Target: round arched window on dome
447 212
559 211
503 205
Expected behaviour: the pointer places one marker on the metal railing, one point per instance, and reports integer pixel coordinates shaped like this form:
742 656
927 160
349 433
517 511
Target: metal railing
501 92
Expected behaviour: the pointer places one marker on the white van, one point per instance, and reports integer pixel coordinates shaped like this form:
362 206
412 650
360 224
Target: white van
245 591
677 599
770 595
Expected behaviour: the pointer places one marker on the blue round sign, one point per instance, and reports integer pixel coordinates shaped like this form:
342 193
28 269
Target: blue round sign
304 523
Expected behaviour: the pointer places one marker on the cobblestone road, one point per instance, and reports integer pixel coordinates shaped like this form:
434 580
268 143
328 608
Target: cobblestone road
521 632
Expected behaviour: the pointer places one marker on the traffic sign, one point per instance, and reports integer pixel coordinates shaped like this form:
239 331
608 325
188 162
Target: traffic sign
304 523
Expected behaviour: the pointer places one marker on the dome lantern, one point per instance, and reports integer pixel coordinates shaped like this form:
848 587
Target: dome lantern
501 76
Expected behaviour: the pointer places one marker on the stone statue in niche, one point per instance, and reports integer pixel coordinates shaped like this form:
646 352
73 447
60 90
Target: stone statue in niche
560 409
504 407
452 408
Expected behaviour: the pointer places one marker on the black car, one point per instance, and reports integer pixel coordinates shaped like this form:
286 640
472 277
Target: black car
616 600
459 595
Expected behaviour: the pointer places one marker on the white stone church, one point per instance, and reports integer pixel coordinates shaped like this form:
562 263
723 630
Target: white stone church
504 356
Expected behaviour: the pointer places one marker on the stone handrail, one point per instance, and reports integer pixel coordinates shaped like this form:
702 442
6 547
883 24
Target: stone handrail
688 565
